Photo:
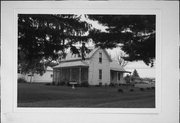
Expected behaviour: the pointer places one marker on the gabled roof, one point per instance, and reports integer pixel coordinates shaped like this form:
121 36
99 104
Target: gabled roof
71 57
91 54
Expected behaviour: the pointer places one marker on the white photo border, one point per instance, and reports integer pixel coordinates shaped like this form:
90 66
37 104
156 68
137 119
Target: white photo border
70 8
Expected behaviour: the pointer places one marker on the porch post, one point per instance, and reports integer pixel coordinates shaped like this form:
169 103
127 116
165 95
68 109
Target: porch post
60 72
79 75
53 76
117 77
56 76
130 78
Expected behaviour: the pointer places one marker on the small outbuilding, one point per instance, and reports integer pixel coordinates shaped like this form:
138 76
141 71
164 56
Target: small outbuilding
47 77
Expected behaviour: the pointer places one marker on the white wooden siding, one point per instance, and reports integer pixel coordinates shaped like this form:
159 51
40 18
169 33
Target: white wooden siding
94 67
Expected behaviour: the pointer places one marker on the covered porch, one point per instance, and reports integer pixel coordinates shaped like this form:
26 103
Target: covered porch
116 76
70 72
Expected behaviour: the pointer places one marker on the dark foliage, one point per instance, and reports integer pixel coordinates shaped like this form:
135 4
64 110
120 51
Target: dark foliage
48 84
21 80
112 85
127 78
84 84
141 89
121 90
100 84
62 83
153 88
148 88
45 37
135 33
131 90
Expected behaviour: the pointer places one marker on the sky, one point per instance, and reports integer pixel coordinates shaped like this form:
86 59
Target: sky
142 69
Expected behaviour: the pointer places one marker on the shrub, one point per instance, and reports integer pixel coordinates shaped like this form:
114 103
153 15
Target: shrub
48 84
85 84
153 88
61 83
21 80
112 85
132 85
131 90
120 90
141 89
148 88
106 85
100 84
96 86
53 83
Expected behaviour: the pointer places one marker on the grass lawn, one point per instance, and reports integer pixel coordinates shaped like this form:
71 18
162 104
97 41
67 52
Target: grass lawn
41 95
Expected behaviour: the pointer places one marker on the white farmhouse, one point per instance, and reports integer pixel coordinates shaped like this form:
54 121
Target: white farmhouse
97 68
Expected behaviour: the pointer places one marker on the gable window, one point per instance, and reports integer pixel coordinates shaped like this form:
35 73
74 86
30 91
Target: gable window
100 74
100 57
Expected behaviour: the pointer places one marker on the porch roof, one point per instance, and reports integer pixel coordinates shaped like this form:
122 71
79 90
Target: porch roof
116 67
72 64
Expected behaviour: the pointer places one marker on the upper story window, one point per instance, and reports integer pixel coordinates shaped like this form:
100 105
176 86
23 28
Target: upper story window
100 57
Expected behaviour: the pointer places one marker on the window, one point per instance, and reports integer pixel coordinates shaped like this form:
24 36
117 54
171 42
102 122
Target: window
19 71
100 57
100 74
119 76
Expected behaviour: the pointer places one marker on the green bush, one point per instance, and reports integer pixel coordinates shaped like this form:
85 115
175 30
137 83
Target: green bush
48 84
105 85
141 89
120 90
153 88
112 85
21 80
148 88
100 84
62 83
53 83
84 84
131 90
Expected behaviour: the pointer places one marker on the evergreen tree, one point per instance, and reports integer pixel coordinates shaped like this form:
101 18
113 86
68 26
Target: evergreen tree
45 37
135 74
134 33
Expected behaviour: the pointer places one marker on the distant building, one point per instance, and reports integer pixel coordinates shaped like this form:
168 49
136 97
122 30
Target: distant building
97 68
136 80
45 78
144 82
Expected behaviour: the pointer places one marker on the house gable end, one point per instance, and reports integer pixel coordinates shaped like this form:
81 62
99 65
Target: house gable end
96 51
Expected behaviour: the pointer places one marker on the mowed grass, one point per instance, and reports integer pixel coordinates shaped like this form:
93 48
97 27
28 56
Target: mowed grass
41 95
